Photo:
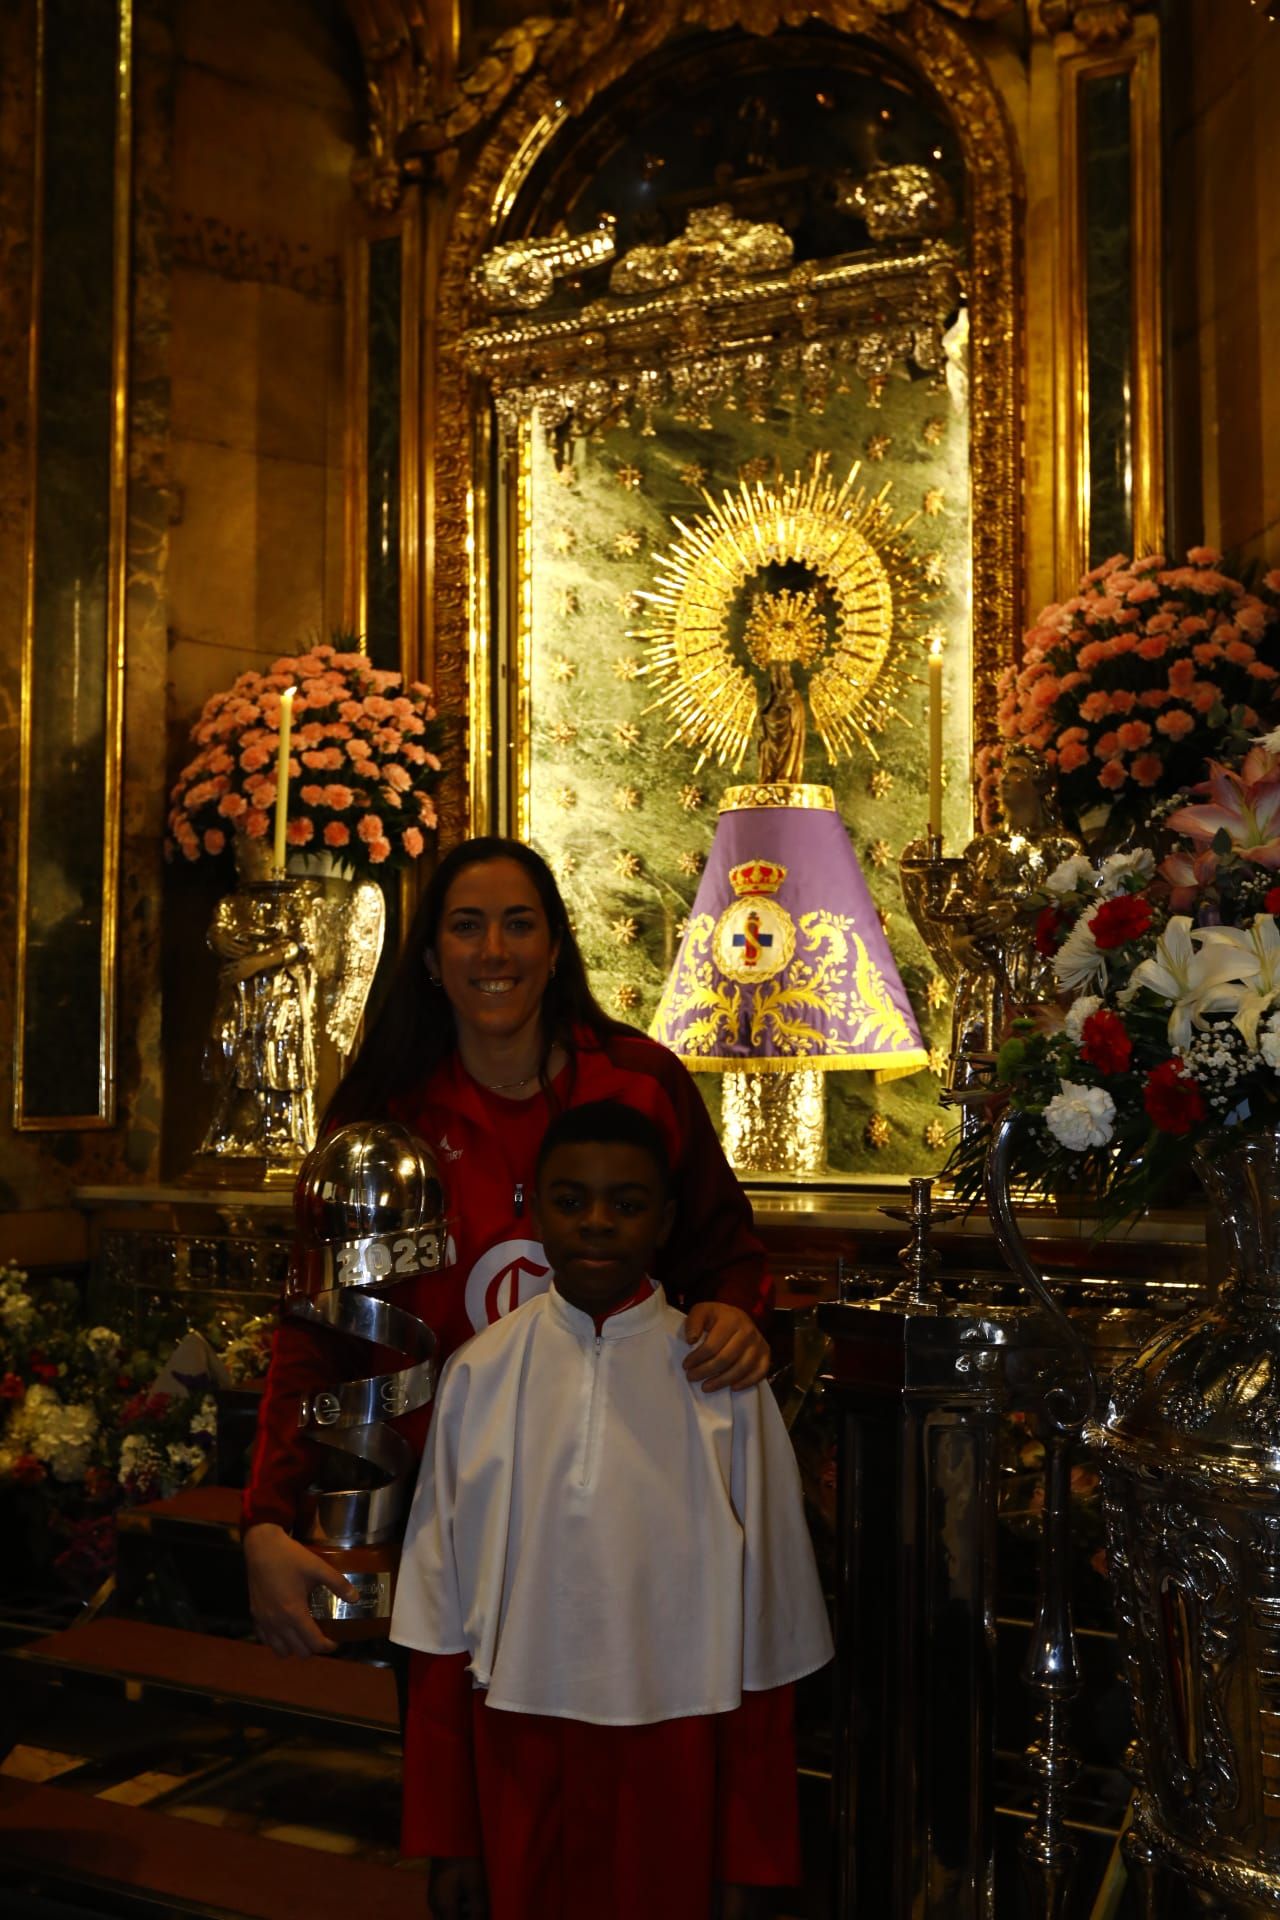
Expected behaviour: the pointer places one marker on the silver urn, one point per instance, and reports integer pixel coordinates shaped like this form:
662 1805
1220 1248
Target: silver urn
1190 1441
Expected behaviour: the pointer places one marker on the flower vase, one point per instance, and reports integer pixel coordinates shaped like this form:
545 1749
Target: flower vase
297 954
1191 1480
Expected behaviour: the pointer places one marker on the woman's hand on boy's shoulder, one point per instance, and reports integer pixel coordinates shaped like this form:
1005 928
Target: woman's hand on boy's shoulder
729 1349
457 1890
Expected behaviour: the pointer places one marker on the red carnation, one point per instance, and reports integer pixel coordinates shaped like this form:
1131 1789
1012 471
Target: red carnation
1120 920
12 1387
1172 1099
27 1471
1048 921
44 1370
1105 1042
1272 901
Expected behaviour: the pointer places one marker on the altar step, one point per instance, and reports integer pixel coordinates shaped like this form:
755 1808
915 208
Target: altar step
132 1658
93 1856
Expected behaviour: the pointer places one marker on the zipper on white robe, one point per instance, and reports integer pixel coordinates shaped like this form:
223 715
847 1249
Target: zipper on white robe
588 1452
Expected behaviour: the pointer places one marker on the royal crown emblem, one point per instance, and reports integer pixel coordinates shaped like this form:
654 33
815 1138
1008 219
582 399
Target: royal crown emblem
756 876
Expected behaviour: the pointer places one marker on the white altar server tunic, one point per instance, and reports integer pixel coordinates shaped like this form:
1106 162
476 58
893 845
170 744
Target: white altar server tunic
604 1541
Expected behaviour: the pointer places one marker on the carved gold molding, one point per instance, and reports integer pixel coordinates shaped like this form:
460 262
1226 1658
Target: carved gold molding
1138 57
112 638
483 192
423 109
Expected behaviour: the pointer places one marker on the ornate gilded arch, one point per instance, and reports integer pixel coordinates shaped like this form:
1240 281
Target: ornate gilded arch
564 77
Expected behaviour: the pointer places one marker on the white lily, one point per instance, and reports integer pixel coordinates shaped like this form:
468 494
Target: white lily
1259 944
1198 971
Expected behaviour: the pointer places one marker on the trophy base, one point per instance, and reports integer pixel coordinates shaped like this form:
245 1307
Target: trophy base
372 1572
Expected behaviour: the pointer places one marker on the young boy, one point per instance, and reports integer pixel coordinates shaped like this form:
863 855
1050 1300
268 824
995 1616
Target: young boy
613 1571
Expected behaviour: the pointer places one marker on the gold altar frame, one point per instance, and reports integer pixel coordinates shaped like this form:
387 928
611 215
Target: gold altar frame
104 1116
482 202
406 227
1139 57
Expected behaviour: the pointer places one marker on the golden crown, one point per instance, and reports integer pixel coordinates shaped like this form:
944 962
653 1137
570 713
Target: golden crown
757 876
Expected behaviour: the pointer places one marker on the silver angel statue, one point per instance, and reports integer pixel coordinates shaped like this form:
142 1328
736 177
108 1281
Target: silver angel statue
297 958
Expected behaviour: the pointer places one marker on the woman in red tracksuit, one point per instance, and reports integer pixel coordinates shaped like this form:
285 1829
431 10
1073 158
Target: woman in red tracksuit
488 1027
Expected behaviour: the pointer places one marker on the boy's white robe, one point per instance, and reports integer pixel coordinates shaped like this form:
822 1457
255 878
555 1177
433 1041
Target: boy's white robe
606 1542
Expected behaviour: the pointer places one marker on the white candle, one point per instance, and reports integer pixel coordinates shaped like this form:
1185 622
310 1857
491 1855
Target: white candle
282 775
935 737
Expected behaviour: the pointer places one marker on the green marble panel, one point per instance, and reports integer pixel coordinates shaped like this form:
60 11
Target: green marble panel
1107 200
606 779
66 924
382 532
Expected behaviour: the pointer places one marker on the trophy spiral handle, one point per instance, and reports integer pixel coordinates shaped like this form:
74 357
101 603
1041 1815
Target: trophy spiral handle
370 1210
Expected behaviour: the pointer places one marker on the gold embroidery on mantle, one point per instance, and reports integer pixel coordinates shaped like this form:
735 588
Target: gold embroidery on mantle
822 984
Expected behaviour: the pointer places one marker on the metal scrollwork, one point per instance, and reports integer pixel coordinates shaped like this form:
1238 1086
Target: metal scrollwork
1191 1479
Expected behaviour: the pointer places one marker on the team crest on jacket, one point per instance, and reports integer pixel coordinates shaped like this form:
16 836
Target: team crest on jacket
504 1277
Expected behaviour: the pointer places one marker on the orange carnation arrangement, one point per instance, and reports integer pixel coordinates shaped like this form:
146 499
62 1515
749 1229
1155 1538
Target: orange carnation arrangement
1145 673
362 762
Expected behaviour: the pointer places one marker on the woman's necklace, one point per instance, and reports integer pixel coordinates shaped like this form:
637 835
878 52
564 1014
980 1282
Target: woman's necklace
505 1086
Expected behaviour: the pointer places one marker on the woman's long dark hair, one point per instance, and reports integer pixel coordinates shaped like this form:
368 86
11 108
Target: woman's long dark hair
414 1029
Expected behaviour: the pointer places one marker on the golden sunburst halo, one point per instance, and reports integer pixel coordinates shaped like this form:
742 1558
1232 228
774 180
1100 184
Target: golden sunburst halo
862 563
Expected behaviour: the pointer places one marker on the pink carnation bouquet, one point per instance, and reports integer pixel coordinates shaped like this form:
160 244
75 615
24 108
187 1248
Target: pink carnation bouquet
362 763
1143 675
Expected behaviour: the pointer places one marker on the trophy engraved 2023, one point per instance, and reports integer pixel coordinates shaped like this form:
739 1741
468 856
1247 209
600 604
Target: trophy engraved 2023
370 1215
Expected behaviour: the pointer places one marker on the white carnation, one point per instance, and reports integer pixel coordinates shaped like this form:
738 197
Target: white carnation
1080 1117
1269 1044
184 1459
1071 875
62 1437
66 1446
1077 1013
17 1311
1078 963
1119 868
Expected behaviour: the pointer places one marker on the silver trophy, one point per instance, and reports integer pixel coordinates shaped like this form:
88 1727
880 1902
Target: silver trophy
370 1217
